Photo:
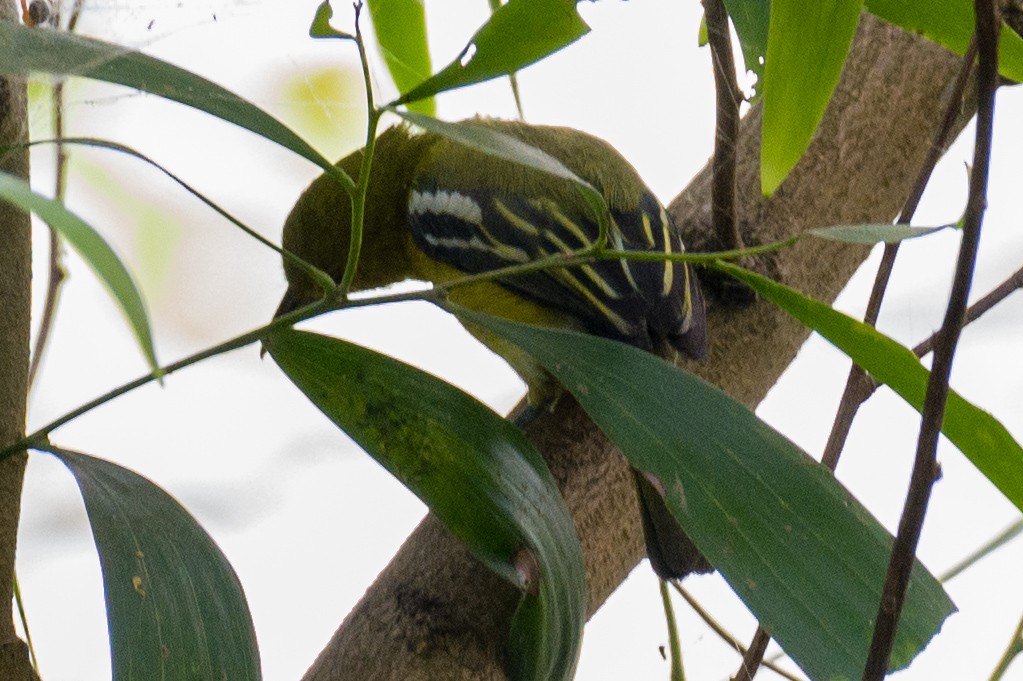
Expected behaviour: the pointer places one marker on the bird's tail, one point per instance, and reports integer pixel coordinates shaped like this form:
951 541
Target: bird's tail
671 552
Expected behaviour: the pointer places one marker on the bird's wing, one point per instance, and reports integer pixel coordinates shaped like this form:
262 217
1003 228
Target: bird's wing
483 229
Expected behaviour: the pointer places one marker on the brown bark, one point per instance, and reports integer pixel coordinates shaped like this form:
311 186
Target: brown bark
434 613
15 288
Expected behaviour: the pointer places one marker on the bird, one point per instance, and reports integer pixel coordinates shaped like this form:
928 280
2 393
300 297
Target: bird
437 210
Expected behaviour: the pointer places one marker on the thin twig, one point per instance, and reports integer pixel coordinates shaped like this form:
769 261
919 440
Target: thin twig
57 274
726 129
973 313
753 658
723 633
359 195
1013 650
678 671
924 467
20 603
1003 537
979 308
858 386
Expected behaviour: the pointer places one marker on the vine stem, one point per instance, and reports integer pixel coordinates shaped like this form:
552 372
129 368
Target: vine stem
925 466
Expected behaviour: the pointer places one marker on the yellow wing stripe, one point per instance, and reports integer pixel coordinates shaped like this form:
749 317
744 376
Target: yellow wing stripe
623 326
566 222
669 267
591 274
515 220
687 302
648 230
502 249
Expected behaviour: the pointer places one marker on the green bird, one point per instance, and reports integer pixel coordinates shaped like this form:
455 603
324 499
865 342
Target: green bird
437 210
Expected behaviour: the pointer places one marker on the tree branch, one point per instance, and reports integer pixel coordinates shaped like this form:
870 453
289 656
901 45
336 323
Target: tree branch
434 613
15 288
925 466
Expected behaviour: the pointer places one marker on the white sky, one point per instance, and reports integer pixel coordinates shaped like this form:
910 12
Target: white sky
284 494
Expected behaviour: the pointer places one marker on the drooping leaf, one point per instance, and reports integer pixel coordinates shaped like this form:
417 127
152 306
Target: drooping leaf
495 143
25 50
949 23
175 607
977 434
806 558
94 251
475 471
400 27
322 278
518 34
806 47
869 234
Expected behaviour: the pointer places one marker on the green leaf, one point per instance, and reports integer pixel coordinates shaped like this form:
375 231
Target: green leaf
751 19
400 27
321 278
949 23
977 434
25 50
516 35
175 607
475 471
870 234
513 80
807 559
94 251
495 143
320 26
806 47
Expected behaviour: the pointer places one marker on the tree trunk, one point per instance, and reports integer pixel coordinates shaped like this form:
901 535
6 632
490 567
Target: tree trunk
435 613
15 295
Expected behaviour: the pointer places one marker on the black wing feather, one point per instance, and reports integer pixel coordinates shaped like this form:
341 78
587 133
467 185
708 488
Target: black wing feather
641 303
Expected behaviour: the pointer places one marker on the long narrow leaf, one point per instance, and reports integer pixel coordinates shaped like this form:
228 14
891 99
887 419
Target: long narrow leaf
870 234
25 50
977 434
949 23
175 607
806 47
400 28
495 143
806 558
516 35
94 251
474 470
